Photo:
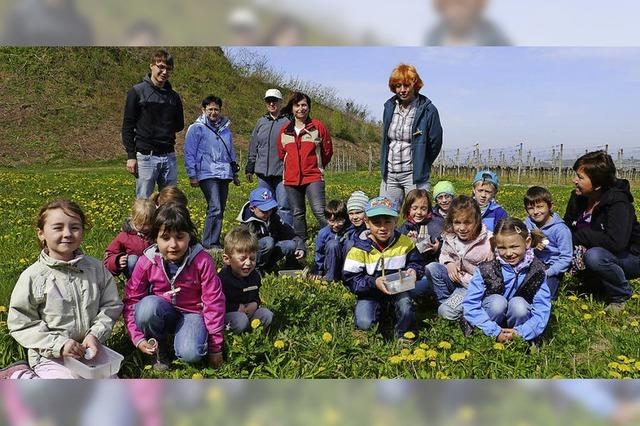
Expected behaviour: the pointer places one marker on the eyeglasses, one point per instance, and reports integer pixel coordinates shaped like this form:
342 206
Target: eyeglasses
163 67
272 100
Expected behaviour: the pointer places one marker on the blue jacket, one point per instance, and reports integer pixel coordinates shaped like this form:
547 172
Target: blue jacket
324 236
427 138
364 264
208 155
493 215
478 317
558 253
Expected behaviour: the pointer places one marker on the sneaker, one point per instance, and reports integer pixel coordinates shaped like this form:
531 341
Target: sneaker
614 307
467 329
11 369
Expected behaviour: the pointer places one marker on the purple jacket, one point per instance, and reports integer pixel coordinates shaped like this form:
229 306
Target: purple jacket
200 291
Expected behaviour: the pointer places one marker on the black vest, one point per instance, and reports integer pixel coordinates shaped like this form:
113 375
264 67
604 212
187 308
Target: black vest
491 272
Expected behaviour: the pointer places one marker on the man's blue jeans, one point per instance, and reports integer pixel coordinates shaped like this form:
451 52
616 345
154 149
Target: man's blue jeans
276 186
157 318
152 169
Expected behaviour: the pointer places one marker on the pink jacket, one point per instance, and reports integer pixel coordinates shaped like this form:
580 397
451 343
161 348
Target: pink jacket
477 251
200 291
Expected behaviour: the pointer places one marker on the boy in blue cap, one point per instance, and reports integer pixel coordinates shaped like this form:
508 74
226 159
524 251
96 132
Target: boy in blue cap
380 251
485 188
276 239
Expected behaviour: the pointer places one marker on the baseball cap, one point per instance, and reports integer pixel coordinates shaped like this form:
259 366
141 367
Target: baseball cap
273 93
262 198
486 176
380 206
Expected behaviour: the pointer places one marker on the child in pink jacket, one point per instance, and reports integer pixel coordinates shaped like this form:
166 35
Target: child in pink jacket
175 289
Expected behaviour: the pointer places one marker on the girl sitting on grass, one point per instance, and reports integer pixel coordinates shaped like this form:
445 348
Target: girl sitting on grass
63 305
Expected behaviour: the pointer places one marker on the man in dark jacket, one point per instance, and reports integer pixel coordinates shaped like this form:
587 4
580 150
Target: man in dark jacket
263 153
152 116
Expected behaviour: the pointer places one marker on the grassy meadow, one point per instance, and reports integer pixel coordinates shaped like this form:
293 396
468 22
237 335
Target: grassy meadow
313 333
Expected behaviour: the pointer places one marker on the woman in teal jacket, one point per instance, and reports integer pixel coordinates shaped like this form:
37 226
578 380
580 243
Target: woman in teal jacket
210 160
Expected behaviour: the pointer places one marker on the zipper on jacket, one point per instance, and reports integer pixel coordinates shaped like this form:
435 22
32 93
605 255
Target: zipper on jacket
269 148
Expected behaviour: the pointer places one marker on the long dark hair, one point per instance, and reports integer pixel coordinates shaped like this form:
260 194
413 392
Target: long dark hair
464 204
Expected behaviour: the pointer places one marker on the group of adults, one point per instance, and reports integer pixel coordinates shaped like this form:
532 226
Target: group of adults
289 151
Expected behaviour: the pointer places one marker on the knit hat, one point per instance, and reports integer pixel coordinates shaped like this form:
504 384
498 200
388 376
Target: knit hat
486 176
357 201
444 187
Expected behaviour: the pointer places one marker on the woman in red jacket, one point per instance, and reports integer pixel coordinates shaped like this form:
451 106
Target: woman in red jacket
305 148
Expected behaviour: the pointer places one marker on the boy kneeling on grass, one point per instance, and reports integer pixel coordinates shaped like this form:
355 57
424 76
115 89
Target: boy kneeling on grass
380 251
241 282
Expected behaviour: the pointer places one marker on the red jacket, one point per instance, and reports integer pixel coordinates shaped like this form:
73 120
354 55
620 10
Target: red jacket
128 241
305 155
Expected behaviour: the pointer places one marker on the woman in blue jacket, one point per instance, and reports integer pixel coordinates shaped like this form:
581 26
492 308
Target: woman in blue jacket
210 160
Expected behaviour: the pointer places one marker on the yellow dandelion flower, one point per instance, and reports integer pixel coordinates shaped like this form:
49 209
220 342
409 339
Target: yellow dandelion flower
638 365
327 337
622 358
467 353
587 316
405 352
3 308
573 298
395 359
441 376
197 376
420 352
635 296
424 346
147 367
613 365
584 307
278 344
432 364
444 345
634 323
409 335
558 377
255 323
432 354
615 375
624 367
457 356
498 346
602 312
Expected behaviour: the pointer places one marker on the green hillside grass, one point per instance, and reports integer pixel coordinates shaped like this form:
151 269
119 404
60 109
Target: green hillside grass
64 105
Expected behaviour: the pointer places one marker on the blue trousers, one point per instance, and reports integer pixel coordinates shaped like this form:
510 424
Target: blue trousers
155 168
215 192
238 322
367 312
270 251
510 313
157 318
612 272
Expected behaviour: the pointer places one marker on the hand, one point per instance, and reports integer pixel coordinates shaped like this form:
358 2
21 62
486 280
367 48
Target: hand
241 307
250 308
506 334
122 261
413 235
193 182
236 180
249 177
73 349
454 272
380 285
540 246
412 272
215 359
132 166
92 342
433 246
146 348
299 254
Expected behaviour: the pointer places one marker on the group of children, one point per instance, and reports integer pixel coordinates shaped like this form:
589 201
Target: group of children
485 269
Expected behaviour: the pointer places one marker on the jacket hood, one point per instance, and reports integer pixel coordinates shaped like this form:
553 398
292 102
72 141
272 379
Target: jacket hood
223 123
245 215
152 253
555 220
61 264
167 86
128 227
620 191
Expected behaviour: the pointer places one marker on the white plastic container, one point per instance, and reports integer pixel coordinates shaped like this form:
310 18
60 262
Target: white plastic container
105 364
290 273
399 282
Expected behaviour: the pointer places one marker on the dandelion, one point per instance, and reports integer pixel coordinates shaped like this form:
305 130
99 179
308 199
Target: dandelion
327 337
635 296
395 359
587 316
405 352
278 344
634 323
615 375
420 352
622 358
3 308
498 346
458 356
424 346
441 376
147 367
638 365
444 345
584 307
613 365
432 363
573 298
432 354
255 323
409 335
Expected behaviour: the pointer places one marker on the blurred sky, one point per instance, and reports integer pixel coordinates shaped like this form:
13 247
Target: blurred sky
532 23
495 96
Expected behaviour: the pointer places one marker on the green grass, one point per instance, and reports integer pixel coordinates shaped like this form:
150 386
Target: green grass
577 346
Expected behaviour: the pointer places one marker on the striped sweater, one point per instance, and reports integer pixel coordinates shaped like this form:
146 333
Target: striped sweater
364 263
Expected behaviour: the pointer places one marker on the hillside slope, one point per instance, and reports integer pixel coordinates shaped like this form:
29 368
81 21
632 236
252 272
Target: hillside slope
64 105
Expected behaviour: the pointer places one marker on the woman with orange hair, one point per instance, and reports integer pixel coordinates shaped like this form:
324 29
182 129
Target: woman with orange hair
411 138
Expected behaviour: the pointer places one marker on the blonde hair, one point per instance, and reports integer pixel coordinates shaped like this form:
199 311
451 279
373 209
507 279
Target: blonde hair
240 240
142 212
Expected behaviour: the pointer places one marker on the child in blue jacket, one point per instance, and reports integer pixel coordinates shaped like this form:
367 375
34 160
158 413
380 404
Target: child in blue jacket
508 297
556 249
485 189
330 242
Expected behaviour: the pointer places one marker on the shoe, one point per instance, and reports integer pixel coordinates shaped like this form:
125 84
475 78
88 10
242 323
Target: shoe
614 307
11 369
467 329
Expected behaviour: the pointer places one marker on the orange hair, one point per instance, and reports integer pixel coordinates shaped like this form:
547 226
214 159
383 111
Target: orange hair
404 73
